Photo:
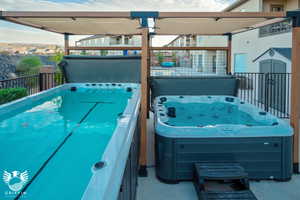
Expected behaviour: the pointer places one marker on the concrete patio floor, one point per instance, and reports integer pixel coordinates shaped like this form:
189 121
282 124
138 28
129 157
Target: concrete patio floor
150 188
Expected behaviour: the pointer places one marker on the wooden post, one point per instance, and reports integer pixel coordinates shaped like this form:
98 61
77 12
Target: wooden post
67 51
144 101
47 74
295 94
148 75
229 68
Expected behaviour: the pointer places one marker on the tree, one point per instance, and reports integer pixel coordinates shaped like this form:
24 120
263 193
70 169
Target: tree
103 52
83 53
57 57
29 64
160 57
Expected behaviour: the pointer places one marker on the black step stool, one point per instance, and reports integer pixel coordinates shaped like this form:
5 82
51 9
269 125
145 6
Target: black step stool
224 172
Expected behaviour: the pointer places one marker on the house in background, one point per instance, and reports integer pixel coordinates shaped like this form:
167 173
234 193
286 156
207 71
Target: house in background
265 50
249 45
202 61
114 41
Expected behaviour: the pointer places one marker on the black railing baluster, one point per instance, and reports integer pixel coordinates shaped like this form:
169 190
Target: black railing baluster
33 82
269 91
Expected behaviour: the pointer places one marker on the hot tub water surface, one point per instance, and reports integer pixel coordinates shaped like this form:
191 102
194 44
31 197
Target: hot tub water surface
210 114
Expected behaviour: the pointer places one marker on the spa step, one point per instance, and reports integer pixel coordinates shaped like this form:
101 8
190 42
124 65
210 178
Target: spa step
235 195
221 181
220 171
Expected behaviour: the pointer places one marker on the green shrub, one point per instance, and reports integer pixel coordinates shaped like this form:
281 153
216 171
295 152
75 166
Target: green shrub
58 78
30 64
160 57
11 94
57 57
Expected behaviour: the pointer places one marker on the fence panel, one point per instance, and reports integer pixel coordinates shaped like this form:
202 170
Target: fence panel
31 83
188 62
34 83
269 91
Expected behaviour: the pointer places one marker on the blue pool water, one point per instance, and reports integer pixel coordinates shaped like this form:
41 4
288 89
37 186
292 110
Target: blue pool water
204 114
73 127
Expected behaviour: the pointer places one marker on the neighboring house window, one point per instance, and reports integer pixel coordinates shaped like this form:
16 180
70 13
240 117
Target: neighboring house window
200 61
93 42
118 40
188 41
214 64
240 62
181 42
98 41
126 40
276 28
277 8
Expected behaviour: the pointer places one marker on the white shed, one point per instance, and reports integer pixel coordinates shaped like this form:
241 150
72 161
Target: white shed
274 60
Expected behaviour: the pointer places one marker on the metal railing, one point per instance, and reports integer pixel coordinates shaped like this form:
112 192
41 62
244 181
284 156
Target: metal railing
34 83
189 63
50 80
269 91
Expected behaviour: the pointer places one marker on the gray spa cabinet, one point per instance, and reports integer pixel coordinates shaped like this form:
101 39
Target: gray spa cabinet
265 152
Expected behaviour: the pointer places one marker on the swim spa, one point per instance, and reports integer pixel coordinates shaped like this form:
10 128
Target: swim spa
199 129
70 142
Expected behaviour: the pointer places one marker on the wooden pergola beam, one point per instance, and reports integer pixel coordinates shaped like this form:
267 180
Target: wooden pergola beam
267 15
150 48
104 48
190 48
78 14
64 14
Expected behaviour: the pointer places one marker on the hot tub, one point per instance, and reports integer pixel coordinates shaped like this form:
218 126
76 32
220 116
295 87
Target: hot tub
70 142
195 129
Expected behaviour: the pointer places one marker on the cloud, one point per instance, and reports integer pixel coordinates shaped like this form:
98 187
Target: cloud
11 35
17 33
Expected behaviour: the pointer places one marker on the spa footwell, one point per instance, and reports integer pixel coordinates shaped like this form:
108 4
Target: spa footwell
220 181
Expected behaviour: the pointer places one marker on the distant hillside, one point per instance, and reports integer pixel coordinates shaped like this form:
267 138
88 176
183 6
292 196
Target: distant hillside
8 63
23 48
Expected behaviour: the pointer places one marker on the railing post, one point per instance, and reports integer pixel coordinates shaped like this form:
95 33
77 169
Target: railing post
229 51
46 77
41 88
66 47
266 99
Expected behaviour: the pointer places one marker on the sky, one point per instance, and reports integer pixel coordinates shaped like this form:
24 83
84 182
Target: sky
16 33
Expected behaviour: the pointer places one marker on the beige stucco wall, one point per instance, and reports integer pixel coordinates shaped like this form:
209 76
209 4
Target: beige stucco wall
249 42
288 4
267 4
250 6
211 41
264 5
292 4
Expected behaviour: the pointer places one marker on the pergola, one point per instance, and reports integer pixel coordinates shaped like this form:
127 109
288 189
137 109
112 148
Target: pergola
166 23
